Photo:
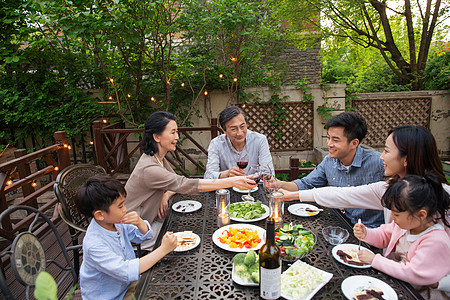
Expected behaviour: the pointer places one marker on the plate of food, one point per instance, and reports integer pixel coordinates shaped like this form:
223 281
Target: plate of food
186 206
304 210
302 281
347 254
186 240
246 268
239 237
295 242
245 191
362 287
248 211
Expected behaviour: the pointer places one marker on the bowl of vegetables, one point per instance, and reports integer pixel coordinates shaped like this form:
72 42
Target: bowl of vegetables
295 242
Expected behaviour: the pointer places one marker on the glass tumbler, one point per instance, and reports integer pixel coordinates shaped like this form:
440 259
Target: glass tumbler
222 201
277 207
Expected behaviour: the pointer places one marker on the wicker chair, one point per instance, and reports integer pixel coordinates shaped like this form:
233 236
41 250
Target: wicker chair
28 256
66 188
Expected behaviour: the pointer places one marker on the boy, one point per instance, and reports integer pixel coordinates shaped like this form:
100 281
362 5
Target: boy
109 264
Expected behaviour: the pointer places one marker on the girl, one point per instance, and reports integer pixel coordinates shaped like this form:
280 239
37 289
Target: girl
417 247
153 180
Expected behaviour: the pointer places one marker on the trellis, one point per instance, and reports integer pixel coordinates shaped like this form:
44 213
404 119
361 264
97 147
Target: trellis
382 115
295 131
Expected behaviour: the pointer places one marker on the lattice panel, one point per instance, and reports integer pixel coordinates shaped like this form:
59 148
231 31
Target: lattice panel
295 134
383 115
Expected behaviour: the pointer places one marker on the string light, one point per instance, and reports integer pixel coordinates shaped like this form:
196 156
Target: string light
91 142
235 79
70 147
9 182
65 145
206 93
220 75
128 95
105 121
34 184
110 97
233 58
152 98
110 79
243 105
56 168
182 84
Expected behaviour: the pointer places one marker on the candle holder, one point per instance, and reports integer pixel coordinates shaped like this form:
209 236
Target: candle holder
277 207
222 201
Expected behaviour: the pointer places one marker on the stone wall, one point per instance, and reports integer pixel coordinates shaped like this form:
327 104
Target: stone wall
303 64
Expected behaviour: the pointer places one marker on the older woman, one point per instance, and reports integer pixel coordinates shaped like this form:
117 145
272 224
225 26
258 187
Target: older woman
153 181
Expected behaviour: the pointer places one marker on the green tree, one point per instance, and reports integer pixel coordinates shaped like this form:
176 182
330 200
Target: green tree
371 23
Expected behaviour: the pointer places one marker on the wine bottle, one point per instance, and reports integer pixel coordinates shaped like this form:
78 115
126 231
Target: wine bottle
270 265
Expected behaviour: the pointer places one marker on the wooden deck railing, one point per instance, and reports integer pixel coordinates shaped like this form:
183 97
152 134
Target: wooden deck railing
112 149
26 179
112 153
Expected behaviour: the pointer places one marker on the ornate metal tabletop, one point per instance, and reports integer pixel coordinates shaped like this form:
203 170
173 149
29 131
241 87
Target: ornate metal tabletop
205 272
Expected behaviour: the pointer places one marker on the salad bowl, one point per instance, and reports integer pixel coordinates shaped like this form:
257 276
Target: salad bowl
295 242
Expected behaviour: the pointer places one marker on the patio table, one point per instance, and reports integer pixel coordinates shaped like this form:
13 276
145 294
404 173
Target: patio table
205 272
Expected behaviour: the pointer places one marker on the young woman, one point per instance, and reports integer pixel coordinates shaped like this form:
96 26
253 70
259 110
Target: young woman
153 181
417 247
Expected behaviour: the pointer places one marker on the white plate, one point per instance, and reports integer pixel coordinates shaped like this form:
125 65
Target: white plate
239 280
197 242
347 246
245 191
326 277
355 284
186 206
263 216
299 210
218 233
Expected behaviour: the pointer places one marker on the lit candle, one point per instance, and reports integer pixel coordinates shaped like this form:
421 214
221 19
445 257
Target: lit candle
223 219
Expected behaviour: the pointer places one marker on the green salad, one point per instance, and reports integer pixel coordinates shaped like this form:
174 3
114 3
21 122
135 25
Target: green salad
294 241
246 210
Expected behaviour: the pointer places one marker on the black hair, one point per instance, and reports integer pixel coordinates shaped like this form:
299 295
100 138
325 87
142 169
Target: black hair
229 113
419 146
98 193
156 123
413 193
355 126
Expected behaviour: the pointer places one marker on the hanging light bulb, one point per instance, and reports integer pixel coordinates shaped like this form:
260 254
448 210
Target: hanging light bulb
220 75
70 147
110 98
56 168
34 184
152 98
206 93
105 121
128 95
91 142
235 79
182 84
9 182
110 79
243 105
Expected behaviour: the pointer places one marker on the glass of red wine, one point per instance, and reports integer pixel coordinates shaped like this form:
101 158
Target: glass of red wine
242 159
255 172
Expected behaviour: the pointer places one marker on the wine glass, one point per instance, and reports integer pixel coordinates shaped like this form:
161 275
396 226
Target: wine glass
269 179
242 159
255 172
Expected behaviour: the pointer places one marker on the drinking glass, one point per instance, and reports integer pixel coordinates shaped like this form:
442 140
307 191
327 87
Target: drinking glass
255 172
277 207
269 179
222 201
242 159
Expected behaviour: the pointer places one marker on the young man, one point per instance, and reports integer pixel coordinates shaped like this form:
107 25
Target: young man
225 149
347 164
110 269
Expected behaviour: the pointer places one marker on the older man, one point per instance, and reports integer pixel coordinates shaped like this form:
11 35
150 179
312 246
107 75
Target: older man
237 140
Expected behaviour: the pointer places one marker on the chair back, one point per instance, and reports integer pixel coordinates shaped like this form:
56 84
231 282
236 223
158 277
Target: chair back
66 188
28 255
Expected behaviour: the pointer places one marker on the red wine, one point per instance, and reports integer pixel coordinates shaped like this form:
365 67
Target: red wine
270 265
242 164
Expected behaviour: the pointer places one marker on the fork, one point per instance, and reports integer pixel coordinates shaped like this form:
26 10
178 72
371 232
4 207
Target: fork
309 209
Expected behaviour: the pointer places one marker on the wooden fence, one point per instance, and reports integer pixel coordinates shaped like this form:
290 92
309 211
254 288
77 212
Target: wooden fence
17 174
